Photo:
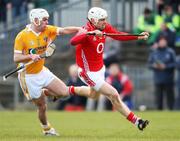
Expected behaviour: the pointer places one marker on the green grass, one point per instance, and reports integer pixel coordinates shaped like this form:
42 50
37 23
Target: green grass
89 126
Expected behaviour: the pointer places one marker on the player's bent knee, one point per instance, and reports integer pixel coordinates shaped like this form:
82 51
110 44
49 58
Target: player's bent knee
94 97
115 99
114 96
93 94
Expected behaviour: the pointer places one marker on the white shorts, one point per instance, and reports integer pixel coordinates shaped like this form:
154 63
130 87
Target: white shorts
93 79
32 84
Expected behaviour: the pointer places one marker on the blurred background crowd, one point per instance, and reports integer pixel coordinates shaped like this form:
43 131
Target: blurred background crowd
145 73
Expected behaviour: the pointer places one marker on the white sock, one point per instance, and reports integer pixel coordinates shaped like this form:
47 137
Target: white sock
137 121
46 126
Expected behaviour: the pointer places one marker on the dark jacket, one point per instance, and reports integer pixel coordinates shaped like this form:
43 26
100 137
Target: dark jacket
178 69
169 35
166 56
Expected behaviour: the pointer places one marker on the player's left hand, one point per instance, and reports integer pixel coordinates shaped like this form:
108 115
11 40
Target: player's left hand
35 57
145 37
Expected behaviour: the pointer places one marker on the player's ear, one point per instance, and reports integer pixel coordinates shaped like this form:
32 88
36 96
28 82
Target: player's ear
36 21
92 20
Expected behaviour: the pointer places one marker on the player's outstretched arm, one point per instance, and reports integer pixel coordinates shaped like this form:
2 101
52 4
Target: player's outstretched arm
80 37
69 29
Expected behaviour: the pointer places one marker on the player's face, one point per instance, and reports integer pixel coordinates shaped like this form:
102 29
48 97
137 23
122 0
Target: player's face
43 24
101 24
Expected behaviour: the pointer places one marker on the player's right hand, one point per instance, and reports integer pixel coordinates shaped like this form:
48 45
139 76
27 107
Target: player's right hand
96 33
35 57
145 37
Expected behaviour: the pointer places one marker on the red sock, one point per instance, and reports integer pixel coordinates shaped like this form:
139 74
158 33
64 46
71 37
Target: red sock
132 117
71 90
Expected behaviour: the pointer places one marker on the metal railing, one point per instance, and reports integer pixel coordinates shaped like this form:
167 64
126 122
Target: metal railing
140 75
10 93
142 79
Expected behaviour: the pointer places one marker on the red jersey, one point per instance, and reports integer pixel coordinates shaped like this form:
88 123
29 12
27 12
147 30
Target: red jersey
89 49
125 86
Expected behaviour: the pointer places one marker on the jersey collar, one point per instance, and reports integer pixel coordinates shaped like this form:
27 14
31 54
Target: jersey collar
30 29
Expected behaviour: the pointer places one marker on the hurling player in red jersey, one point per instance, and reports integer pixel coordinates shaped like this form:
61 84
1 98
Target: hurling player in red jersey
89 58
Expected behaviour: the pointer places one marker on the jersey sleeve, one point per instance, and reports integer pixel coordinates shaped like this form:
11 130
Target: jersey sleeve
18 44
53 32
78 38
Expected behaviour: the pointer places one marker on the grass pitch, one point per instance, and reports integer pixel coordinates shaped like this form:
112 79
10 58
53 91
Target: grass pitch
89 126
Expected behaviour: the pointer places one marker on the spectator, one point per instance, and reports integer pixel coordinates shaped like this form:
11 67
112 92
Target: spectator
122 83
173 3
160 6
74 103
171 18
149 22
168 34
177 105
162 61
177 42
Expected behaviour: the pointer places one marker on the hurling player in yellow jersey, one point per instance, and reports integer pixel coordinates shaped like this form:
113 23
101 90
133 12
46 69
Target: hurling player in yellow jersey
36 80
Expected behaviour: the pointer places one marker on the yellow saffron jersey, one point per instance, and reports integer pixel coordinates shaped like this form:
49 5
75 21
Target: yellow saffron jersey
29 42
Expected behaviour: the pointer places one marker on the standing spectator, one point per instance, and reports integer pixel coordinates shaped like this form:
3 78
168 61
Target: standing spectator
162 61
121 83
74 103
150 22
177 105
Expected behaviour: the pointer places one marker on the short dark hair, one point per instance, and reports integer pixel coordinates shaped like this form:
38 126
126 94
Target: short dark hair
162 37
147 11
